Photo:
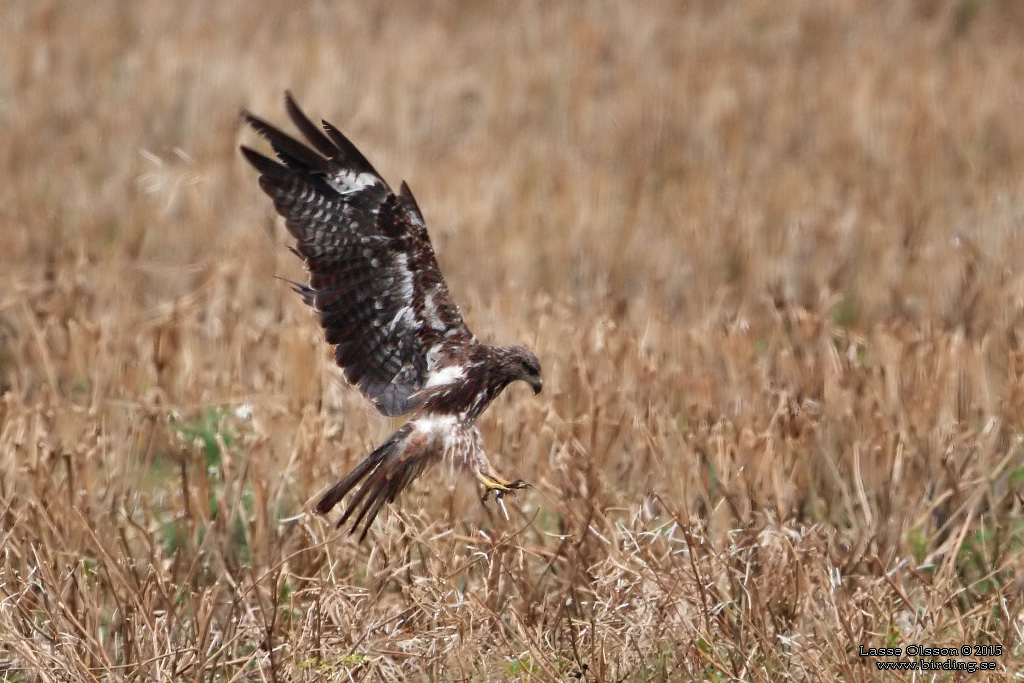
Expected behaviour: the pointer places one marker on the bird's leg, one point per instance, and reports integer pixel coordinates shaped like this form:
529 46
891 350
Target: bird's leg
492 482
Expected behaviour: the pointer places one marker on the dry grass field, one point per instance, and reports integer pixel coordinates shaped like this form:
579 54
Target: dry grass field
770 255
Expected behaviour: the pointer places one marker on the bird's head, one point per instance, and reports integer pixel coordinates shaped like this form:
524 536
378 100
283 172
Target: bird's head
525 366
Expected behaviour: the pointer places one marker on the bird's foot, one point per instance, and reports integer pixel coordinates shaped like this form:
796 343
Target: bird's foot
498 486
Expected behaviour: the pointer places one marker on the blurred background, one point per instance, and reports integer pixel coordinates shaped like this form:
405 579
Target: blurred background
769 255
655 157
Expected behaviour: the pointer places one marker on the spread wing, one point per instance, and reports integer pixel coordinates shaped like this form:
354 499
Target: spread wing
373 277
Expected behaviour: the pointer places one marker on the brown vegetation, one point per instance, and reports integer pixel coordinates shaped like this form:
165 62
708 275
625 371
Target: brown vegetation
769 255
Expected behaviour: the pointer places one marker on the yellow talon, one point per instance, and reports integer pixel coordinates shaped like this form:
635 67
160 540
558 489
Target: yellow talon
499 487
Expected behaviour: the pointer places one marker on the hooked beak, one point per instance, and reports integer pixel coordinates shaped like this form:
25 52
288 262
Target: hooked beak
536 383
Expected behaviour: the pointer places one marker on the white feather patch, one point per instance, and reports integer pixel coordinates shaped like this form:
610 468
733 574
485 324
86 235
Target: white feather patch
437 426
347 182
446 375
398 317
430 312
405 285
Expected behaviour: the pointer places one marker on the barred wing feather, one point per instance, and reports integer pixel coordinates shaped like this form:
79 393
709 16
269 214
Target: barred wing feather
374 280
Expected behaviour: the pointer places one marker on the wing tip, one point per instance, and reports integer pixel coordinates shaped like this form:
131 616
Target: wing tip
262 127
253 157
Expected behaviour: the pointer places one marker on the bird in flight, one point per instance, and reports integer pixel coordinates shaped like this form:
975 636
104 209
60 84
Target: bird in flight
378 292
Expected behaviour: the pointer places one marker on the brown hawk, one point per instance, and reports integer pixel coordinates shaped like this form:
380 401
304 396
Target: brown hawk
375 284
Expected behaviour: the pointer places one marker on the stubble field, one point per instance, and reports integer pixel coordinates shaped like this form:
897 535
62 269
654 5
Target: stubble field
769 257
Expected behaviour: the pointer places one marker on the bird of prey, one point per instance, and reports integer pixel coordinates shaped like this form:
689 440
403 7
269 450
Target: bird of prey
376 287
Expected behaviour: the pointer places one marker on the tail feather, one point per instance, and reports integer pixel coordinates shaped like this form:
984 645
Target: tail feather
341 489
384 474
